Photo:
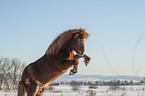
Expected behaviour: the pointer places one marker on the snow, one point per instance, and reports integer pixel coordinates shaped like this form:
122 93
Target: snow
2 93
85 91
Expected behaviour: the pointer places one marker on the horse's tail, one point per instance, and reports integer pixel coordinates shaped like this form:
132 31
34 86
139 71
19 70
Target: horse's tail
21 89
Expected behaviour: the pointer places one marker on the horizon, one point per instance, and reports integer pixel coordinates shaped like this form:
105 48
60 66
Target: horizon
103 75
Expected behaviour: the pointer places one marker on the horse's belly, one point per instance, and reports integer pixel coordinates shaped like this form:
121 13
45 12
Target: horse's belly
48 78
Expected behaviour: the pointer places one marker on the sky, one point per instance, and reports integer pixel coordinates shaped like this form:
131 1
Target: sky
117 32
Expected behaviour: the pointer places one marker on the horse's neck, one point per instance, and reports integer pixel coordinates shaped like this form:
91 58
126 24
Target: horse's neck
65 54
62 54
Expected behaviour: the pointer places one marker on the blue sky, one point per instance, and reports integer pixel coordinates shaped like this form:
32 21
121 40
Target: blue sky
117 28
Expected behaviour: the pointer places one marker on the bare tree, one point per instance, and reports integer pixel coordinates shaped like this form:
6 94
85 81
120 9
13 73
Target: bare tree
4 69
10 71
16 69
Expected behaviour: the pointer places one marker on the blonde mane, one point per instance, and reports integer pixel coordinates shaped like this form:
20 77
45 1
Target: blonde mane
64 39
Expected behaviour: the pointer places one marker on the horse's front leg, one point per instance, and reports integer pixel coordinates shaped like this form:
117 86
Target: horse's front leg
74 70
75 67
87 59
69 63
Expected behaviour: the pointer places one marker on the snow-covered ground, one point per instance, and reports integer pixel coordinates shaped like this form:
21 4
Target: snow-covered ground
84 91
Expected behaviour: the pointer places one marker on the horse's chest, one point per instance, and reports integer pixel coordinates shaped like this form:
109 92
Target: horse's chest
71 56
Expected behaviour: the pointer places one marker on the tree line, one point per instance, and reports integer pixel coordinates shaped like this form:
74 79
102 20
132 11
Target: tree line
99 83
10 72
113 84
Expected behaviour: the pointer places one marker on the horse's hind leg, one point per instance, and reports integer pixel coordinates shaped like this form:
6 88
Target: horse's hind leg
40 91
32 90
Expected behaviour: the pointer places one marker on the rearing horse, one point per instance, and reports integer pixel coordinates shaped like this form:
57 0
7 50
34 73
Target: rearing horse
58 58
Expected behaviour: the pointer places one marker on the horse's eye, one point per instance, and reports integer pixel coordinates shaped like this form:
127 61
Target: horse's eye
81 40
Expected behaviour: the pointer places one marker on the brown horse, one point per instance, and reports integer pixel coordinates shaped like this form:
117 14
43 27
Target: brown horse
58 59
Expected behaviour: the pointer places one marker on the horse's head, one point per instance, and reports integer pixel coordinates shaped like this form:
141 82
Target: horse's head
77 43
74 38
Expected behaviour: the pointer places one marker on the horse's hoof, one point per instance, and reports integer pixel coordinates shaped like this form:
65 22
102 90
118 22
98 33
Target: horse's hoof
71 73
86 63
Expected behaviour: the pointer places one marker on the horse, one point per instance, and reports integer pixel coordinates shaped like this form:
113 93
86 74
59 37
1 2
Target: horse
58 58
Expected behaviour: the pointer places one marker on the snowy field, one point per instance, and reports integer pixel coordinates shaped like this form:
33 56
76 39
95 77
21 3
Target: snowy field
84 91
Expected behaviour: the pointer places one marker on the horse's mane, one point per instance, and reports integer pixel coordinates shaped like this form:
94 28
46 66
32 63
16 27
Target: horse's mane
64 38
